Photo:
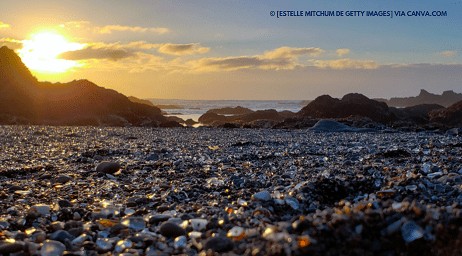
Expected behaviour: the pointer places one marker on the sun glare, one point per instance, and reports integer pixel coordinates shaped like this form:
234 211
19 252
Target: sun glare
40 53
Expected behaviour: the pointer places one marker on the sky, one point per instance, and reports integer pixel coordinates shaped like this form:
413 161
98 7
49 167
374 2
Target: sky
212 49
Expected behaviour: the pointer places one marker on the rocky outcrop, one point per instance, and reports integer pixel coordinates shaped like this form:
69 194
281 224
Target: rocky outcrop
25 100
138 100
446 99
451 116
254 119
352 104
231 111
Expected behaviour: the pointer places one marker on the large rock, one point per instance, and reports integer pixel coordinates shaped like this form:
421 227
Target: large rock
231 111
25 100
352 104
451 116
326 125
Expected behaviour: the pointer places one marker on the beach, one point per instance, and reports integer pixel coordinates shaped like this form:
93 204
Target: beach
206 191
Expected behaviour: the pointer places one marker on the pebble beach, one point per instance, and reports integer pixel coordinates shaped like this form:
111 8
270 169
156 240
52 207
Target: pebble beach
208 191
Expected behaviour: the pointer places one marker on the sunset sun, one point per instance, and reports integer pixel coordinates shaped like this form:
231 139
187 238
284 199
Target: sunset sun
40 53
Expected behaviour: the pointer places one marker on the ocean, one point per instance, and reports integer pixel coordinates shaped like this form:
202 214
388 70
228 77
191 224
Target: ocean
193 109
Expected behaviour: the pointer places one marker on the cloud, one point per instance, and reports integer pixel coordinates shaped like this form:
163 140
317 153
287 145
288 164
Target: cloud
109 29
119 28
342 52
346 64
244 62
95 53
289 52
282 58
448 54
11 43
4 25
182 49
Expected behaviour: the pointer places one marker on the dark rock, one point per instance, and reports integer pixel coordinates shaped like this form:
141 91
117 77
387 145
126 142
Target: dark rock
64 203
63 179
446 99
23 99
62 236
171 230
8 248
451 116
155 219
219 244
352 104
170 124
108 167
231 111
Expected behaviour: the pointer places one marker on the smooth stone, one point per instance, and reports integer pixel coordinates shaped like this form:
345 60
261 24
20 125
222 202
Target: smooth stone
199 224
8 248
155 219
135 223
52 248
41 209
108 167
262 196
63 179
219 244
64 203
62 236
171 230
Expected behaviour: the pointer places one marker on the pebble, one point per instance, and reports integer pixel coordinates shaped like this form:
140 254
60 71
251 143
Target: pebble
52 248
219 244
262 196
171 230
41 209
62 179
62 236
282 192
8 248
108 167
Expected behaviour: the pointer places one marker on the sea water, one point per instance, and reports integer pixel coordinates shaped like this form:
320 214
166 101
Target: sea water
193 109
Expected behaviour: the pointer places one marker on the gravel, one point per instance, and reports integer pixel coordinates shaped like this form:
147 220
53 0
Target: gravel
146 191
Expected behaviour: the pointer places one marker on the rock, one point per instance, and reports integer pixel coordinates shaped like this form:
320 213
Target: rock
108 167
135 223
352 104
61 236
326 125
199 224
52 248
64 203
451 116
62 179
231 111
219 244
8 248
155 219
40 209
262 196
171 230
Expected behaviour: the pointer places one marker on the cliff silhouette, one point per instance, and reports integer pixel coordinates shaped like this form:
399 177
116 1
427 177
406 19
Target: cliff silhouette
24 100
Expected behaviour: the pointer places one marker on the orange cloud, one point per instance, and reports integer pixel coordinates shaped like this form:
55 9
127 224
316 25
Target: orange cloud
182 49
11 43
109 29
4 25
118 28
346 64
342 52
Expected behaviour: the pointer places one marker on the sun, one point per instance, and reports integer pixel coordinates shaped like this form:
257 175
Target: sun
40 53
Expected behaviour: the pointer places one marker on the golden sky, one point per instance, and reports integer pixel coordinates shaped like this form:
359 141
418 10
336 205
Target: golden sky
236 49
